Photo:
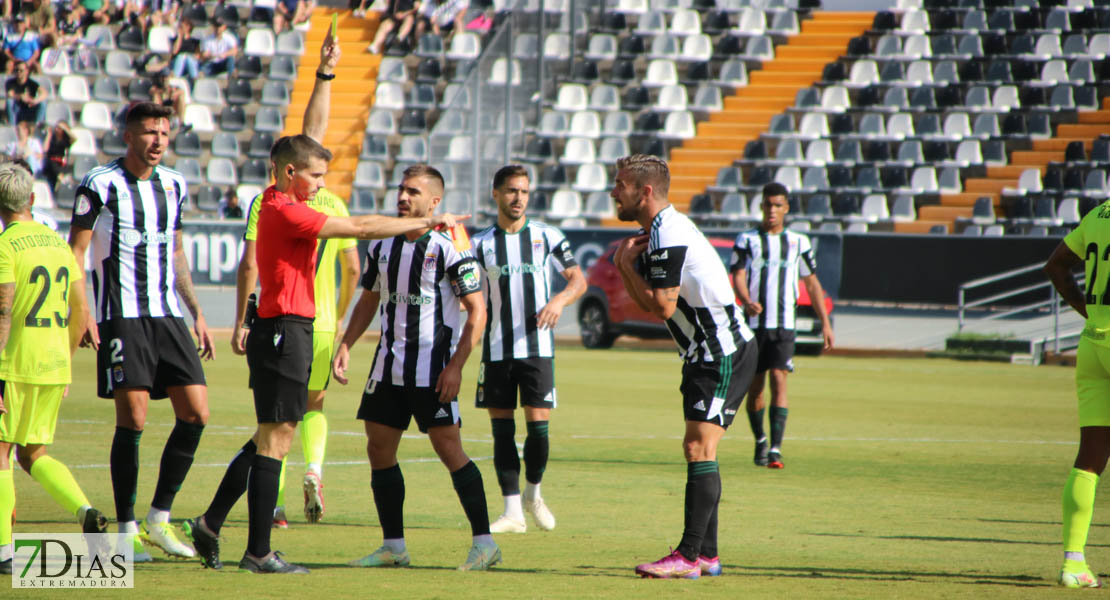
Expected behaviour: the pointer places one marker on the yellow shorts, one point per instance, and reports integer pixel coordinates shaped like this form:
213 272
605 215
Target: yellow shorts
323 346
32 412
1092 384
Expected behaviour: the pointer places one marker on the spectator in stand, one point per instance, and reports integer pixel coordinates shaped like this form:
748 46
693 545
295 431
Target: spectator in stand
22 45
128 12
26 98
164 12
217 52
41 19
97 11
170 96
27 147
398 11
58 141
71 28
445 17
184 51
230 207
290 13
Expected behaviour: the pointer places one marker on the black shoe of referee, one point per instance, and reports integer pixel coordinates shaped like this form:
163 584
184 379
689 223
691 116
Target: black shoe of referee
275 563
95 522
207 545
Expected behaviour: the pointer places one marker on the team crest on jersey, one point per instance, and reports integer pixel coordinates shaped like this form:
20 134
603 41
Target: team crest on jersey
537 246
430 261
171 194
83 205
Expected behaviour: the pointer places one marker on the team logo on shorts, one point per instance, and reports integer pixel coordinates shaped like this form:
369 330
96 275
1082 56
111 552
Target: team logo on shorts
430 261
117 373
370 386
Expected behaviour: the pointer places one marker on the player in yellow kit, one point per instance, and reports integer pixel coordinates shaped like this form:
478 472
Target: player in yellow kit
42 316
314 429
1087 245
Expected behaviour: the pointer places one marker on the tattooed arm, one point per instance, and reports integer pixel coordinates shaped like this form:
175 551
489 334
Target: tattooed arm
184 286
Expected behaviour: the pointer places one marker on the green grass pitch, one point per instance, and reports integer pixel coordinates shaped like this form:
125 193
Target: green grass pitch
904 478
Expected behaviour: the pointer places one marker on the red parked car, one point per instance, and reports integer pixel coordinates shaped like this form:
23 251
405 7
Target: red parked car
606 311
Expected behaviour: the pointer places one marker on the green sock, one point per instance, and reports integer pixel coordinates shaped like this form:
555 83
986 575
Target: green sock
7 505
1079 502
281 485
56 479
314 437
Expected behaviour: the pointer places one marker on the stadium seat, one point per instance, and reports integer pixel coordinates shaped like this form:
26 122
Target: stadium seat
259 145
106 89
224 145
282 68
505 72
221 172
565 204
414 148
465 45
392 69
616 124
96 116
572 97
759 48
250 67
678 125
159 39
429 45
233 118
602 47
288 43
556 46
591 178
259 42
55 63
659 73
74 89
389 96
255 171
118 64
208 198
671 98
369 175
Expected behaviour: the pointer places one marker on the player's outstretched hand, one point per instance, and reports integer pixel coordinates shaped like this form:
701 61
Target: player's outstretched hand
91 337
446 220
449 382
239 340
630 249
329 51
339 364
207 346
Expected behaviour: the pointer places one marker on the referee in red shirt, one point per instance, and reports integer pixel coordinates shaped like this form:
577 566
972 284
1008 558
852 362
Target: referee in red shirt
279 347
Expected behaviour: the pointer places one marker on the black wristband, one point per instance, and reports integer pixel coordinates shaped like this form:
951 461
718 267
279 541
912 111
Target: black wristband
325 76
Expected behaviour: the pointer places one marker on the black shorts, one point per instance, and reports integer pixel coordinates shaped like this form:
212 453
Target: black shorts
776 349
498 382
279 354
395 405
712 391
151 353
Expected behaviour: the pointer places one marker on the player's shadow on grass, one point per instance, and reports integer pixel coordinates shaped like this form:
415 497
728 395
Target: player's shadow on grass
1028 522
889 575
945 538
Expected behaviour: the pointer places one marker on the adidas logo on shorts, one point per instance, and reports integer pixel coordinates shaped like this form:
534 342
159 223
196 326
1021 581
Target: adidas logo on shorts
441 414
700 405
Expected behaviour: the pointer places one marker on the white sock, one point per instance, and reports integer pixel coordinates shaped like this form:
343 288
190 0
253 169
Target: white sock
157 516
395 545
6 552
483 540
1076 556
531 491
129 527
513 509
317 469
81 513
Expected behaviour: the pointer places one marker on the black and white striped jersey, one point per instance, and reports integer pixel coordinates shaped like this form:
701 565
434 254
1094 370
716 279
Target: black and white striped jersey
773 264
420 283
706 324
133 223
518 270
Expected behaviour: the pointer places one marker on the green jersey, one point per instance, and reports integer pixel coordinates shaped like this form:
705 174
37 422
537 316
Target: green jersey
1091 242
42 267
327 256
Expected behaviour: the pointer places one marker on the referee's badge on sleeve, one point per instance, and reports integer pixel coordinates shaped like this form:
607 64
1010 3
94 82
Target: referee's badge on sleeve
83 205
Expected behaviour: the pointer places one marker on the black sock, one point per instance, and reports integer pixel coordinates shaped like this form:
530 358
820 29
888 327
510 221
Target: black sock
703 489
176 460
262 488
536 449
124 463
505 459
755 419
778 425
389 498
232 487
468 485
709 540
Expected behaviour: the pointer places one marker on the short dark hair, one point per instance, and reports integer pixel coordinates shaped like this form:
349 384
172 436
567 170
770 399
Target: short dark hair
422 170
296 150
141 111
504 173
774 189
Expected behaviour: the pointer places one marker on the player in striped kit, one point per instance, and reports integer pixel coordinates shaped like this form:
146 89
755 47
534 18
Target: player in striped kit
129 212
766 265
518 346
418 281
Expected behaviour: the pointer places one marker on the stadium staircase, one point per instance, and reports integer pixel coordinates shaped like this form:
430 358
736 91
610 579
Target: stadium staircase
352 94
771 90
